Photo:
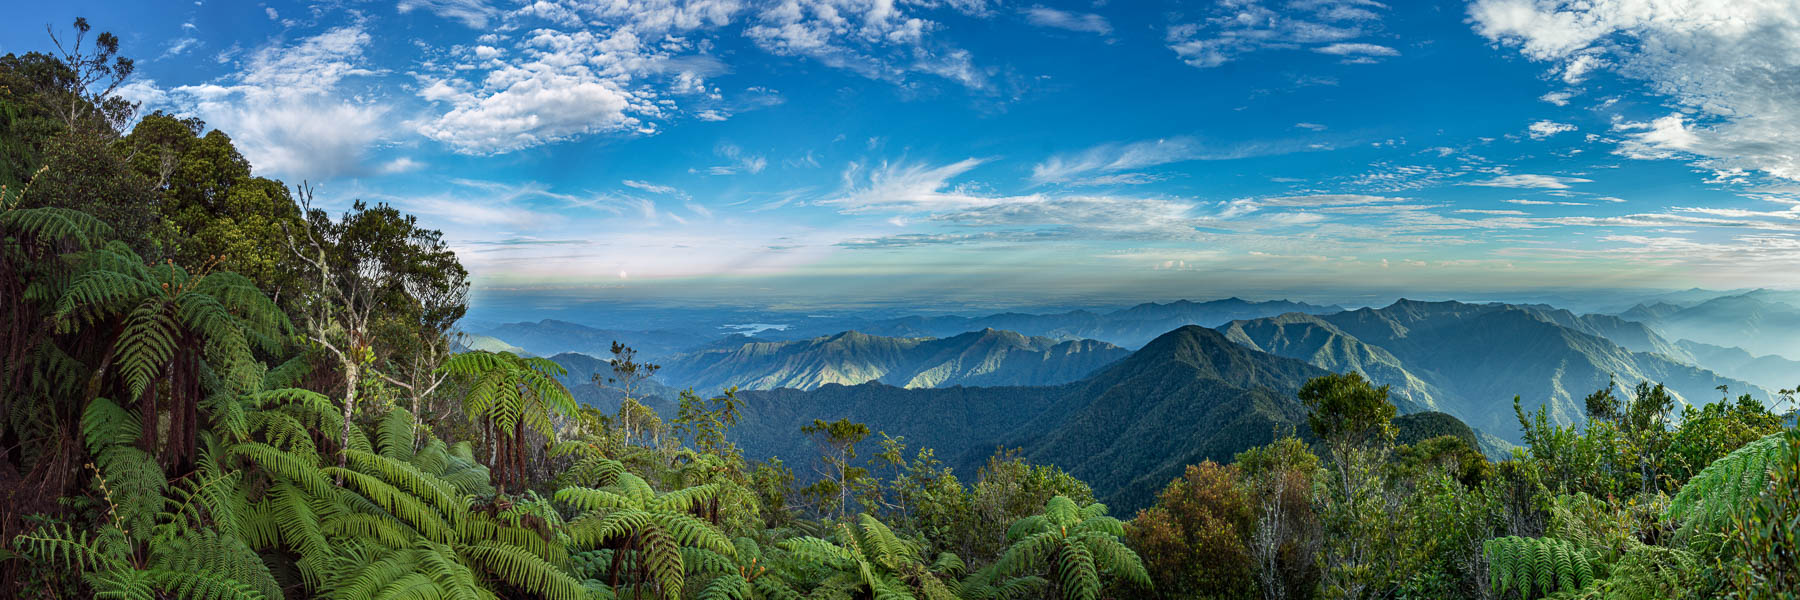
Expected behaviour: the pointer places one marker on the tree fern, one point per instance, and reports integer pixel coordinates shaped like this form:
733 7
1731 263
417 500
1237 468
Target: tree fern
870 557
1074 547
1536 567
1703 507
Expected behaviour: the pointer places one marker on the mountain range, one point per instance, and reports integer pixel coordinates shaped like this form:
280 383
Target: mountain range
1190 394
1187 396
978 358
1130 327
1760 321
1469 360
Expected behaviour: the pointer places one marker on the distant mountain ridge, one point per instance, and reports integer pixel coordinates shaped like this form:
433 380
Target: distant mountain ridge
1130 327
550 337
978 358
1759 321
1469 360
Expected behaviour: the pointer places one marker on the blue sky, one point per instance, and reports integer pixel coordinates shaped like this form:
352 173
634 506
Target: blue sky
810 152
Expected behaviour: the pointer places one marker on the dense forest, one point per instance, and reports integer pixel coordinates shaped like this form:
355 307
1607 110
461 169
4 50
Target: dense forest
214 389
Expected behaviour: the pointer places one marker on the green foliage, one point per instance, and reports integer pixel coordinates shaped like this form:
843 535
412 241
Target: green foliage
1347 409
1703 508
1073 547
646 531
1196 539
869 557
1536 567
1763 542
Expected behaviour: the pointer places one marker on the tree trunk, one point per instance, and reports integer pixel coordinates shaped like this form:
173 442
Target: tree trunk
350 380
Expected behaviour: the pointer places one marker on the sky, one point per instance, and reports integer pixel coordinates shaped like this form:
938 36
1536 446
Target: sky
833 152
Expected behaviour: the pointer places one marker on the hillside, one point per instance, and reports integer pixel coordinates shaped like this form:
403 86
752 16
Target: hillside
1769 370
977 358
1761 322
1476 357
1189 395
1324 345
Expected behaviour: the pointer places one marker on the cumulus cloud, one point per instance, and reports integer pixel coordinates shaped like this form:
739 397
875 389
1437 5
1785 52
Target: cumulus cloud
585 68
565 86
291 109
473 13
1233 29
1546 128
1043 16
1728 67
879 40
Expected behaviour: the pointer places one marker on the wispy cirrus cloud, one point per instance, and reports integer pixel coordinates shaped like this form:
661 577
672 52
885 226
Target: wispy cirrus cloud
1113 158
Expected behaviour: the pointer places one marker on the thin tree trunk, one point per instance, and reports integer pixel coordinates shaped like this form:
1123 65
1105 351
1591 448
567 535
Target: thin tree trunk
350 381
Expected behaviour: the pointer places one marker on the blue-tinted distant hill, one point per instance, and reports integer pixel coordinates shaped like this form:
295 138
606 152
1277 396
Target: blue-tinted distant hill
1130 328
1469 360
1759 321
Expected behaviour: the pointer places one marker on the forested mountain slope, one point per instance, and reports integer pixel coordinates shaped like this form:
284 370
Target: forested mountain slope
1190 395
1187 396
1471 359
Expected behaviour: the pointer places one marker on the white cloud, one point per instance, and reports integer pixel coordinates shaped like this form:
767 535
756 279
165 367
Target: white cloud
404 164
289 110
1117 157
1528 181
907 188
566 85
1043 16
1546 128
473 13
649 187
1357 49
180 47
1241 27
880 40
1728 66
741 161
1557 98
1310 126
1525 202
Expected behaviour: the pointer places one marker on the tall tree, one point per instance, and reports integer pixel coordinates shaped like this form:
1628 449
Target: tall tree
1353 418
837 444
372 263
93 72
